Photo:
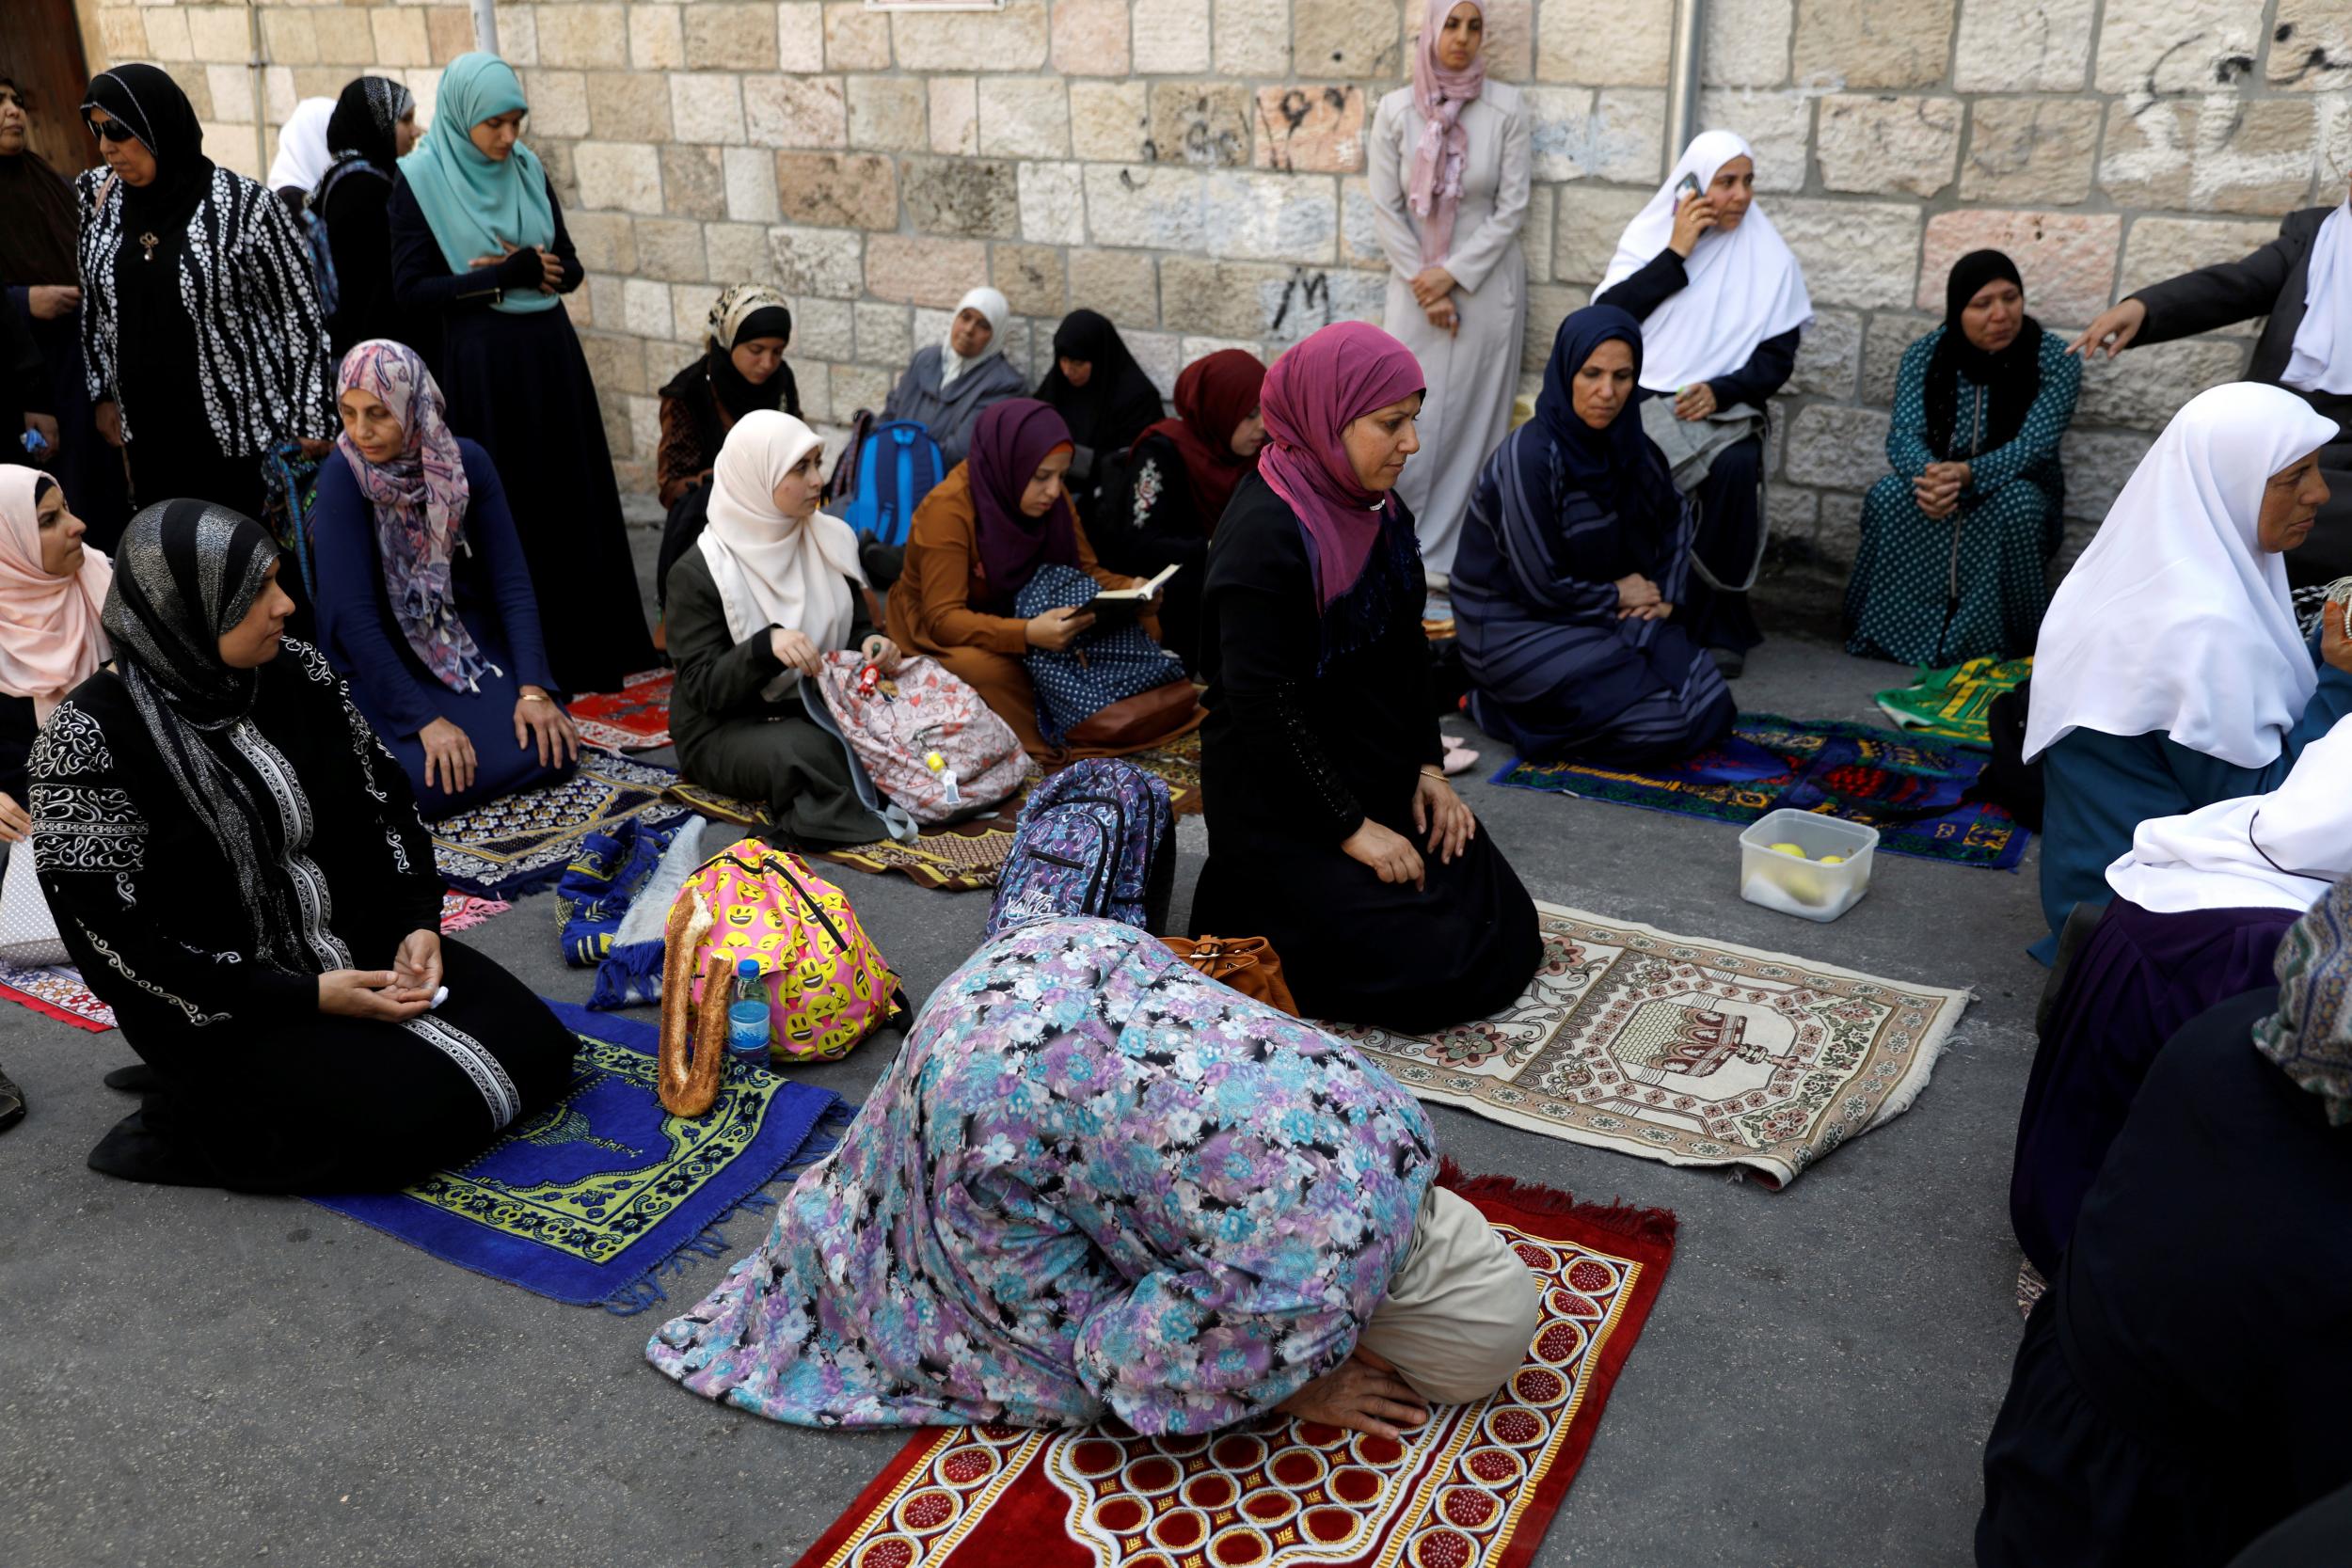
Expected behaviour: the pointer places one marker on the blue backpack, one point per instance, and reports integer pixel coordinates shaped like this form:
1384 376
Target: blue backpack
892 465
1097 838
1107 665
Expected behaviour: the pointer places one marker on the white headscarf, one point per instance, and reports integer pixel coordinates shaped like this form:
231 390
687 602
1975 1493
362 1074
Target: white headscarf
999 310
302 155
2279 851
772 570
2176 619
1744 286
2321 360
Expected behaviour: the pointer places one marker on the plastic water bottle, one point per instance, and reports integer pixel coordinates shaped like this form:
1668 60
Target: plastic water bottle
747 1016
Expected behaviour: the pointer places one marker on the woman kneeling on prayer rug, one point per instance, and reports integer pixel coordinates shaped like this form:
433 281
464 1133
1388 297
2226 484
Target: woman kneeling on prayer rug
236 865
1097 1183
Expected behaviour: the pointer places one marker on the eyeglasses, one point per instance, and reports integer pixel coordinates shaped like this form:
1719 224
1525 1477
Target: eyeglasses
110 129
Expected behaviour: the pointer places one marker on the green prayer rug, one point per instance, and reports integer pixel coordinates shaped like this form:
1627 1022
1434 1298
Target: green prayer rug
1953 704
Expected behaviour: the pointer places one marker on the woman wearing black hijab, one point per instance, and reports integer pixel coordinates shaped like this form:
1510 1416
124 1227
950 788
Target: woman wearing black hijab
236 865
38 270
1100 393
374 124
1956 541
198 411
741 369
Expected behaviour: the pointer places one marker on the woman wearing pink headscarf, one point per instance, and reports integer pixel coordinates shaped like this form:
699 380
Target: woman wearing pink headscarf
1332 831
1451 157
52 586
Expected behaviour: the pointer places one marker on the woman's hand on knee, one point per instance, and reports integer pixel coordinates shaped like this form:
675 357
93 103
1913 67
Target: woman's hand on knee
417 967
449 759
1443 815
1391 855
365 993
1360 1394
540 720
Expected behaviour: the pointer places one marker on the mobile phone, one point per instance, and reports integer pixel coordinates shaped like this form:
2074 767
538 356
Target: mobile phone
1686 186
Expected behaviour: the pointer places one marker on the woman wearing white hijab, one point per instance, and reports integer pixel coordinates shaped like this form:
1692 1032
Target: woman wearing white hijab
948 383
1721 303
2201 902
2171 672
2300 287
770 587
302 155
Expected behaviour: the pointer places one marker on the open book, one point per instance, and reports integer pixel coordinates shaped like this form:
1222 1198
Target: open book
1119 607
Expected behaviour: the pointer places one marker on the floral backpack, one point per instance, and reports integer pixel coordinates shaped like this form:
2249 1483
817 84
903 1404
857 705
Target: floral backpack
924 738
1097 838
827 986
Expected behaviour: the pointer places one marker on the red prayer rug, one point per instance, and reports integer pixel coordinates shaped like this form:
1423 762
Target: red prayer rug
1475 1487
634 719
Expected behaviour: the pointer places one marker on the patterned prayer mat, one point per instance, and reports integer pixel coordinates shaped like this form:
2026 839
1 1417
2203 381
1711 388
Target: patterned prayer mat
1691 1052
1951 704
1476 1487
1178 764
634 719
1906 787
584 1201
57 989
520 843
963 857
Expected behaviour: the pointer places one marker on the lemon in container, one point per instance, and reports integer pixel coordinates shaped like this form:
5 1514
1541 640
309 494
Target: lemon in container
1814 867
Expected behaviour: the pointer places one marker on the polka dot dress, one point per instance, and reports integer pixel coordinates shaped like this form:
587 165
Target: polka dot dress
1939 591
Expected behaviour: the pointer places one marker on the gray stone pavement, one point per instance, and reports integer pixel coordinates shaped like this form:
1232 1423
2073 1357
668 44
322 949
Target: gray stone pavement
191 1377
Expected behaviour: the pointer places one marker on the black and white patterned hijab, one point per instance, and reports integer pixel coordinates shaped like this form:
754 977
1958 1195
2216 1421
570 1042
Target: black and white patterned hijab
188 571
365 124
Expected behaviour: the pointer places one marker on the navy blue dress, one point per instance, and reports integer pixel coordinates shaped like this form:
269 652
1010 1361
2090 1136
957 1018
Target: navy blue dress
391 685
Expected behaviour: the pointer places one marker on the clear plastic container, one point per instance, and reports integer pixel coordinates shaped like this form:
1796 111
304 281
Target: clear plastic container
1805 888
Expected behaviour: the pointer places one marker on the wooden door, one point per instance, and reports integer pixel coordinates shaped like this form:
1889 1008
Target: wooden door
40 49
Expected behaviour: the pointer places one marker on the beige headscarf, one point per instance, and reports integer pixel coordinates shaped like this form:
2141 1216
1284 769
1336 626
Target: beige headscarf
772 570
50 640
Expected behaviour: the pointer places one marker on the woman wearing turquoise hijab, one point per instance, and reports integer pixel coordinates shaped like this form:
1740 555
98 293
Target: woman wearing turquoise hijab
478 250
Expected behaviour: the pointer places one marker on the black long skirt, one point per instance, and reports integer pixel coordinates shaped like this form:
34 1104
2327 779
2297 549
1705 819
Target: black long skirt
1730 522
518 384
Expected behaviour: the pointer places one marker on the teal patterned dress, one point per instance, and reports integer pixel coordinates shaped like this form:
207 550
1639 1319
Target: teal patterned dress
1973 585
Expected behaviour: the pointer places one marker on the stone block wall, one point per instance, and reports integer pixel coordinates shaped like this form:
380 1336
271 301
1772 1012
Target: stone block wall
1195 169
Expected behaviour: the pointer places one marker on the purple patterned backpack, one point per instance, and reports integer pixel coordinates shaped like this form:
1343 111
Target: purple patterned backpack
1097 838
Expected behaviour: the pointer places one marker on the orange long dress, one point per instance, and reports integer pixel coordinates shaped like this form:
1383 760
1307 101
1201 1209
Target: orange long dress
930 611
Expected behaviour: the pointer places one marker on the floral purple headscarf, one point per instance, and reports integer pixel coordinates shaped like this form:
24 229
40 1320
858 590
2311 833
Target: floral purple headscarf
1337 374
1009 442
420 499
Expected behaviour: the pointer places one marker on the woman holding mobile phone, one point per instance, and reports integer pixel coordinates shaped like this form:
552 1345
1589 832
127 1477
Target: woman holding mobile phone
1722 301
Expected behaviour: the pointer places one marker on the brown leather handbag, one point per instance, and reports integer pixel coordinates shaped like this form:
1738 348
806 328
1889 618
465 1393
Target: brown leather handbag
1249 964
1134 722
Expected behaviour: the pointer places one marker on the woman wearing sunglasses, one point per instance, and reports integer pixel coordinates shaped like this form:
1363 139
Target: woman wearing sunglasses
199 324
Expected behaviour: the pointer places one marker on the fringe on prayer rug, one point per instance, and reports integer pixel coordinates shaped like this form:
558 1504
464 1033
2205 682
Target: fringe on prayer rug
1683 1050
56 991
634 719
587 1200
1908 788
520 843
1952 705
962 856
1476 1487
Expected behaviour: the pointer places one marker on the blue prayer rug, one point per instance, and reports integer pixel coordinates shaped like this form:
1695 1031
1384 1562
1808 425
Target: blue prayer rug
587 1200
520 843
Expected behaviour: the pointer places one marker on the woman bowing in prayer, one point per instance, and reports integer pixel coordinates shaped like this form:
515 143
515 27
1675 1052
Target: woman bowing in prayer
1097 1185
1452 161
769 588
1180 474
1955 542
2152 1418
1575 559
479 247
975 541
42 282
1332 831
373 128
2171 672
2201 902
199 325
424 599
950 383
1721 302
740 371
238 870
1100 393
